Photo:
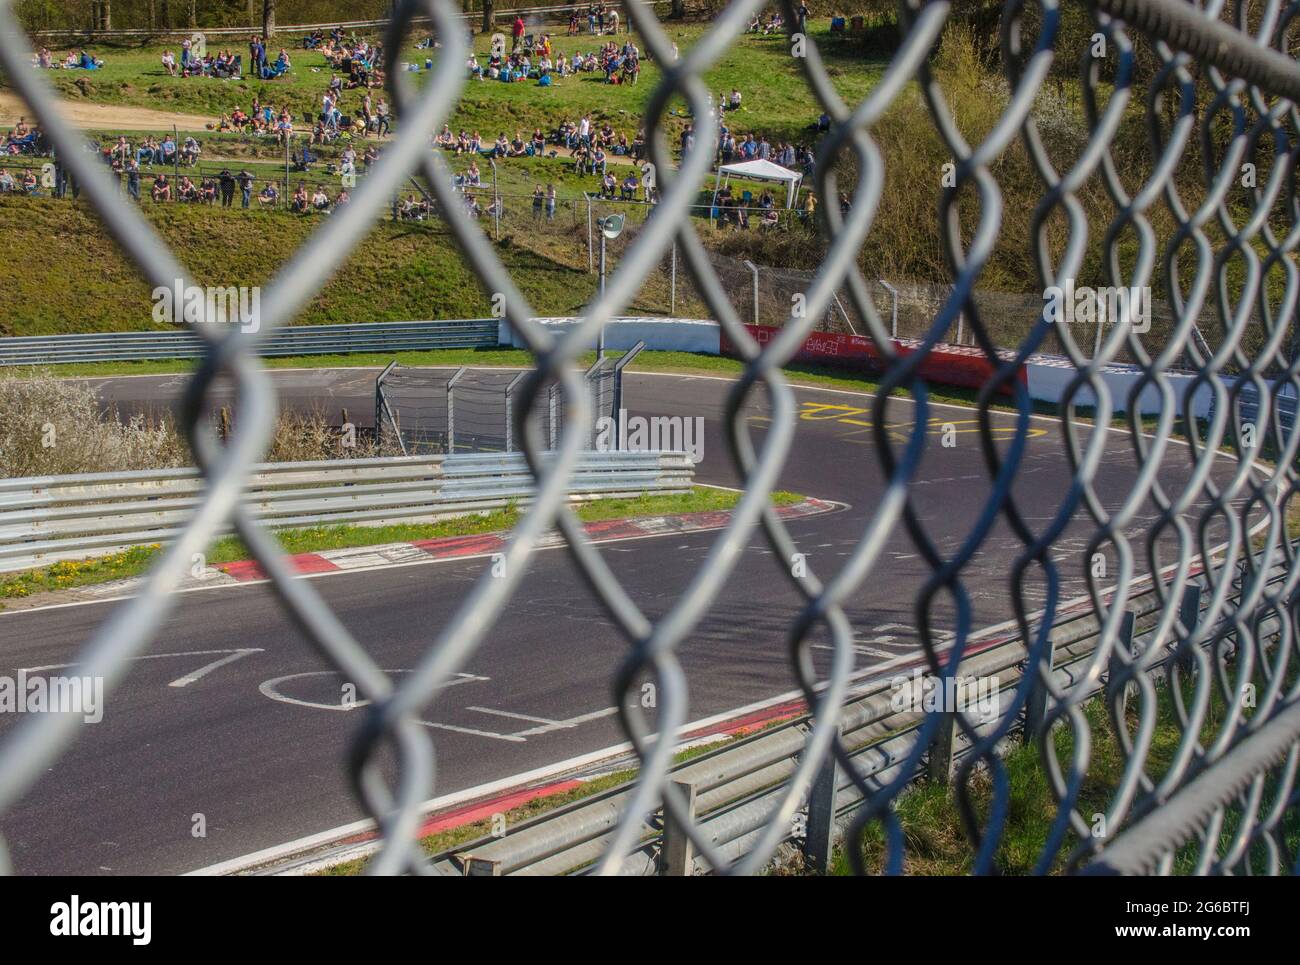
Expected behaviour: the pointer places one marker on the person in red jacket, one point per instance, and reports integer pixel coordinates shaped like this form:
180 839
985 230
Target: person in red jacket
518 30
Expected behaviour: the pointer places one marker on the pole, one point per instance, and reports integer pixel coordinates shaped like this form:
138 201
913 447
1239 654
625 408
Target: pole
754 268
600 339
496 201
672 290
893 312
590 265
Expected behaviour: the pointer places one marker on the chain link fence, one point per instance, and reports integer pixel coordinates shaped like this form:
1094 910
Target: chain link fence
1226 801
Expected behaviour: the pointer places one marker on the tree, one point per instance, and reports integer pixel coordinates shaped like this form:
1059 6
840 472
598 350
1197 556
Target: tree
487 16
268 19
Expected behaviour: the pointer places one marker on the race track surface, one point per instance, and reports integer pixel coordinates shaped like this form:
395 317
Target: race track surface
233 716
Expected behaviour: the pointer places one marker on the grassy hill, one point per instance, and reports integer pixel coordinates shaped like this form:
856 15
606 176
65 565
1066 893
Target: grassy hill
80 281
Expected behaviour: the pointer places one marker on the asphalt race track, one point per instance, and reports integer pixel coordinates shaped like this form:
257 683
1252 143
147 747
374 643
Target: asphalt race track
233 716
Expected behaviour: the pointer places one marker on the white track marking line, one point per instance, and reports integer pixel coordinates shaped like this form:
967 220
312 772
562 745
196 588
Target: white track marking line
235 655
515 738
568 722
513 715
206 669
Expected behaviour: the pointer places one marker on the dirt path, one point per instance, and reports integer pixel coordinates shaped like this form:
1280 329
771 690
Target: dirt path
105 116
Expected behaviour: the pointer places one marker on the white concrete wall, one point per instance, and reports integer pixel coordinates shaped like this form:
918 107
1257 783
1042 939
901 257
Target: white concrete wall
659 334
1048 382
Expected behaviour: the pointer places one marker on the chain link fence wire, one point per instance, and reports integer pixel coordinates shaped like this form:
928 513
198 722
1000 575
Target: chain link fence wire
1217 83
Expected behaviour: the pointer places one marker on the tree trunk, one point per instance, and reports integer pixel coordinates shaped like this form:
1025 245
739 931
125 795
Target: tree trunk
194 15
166 15
152 14
487 16
679 9
268 19
105 15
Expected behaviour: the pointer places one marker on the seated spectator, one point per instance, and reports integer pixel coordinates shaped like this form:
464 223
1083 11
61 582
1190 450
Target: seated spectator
185 190
190 152
300 202
320 200
162 189
7 183
29 181
269 195
630 184
343 198
169 62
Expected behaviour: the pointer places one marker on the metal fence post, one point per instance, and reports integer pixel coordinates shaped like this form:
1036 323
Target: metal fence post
754 268
820 828
672 284
619 366
678 855
893 311
451 410
510 410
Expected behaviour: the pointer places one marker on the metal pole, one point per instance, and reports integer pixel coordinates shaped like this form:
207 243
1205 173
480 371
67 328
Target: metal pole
496 201
600 339
893 312
451 410
510 410
754 268
590 263
672 290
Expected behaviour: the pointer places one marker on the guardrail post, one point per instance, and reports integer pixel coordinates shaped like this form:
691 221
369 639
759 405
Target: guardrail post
939 767
1036 705
1117 664
678 855
820 827
451 410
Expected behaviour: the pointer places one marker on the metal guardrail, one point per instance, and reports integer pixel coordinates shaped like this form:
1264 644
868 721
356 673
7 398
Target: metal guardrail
51 518
735 791
294 340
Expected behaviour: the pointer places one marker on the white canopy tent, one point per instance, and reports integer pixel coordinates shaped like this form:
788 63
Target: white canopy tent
759 170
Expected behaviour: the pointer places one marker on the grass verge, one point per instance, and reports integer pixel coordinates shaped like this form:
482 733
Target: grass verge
931 820
229 549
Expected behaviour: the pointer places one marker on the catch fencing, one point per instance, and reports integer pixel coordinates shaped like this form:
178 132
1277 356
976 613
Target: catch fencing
48 519
473 410
1226 801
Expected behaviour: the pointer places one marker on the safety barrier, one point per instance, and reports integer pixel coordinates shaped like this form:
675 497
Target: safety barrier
295 340
50 518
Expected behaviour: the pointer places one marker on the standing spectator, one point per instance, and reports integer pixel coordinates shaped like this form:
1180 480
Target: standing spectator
517 29
185 55
381 113
245 187
539 196
802 14
227 188
133 179
550 202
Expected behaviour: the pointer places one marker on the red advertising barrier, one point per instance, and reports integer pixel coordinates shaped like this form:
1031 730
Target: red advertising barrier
959 365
